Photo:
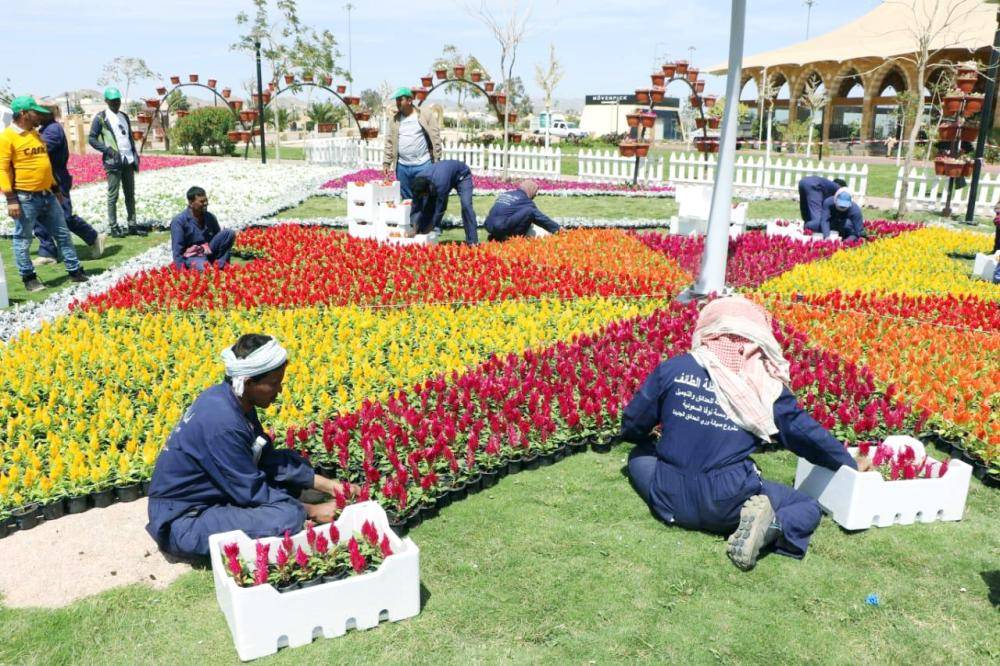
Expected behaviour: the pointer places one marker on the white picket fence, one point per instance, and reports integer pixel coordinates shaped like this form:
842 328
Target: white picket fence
929 192
757 177
605 166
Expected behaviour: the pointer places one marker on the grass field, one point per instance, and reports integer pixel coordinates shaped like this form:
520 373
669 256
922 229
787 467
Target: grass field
575 570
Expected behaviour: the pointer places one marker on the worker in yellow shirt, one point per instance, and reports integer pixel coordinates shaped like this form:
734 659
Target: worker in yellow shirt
31 191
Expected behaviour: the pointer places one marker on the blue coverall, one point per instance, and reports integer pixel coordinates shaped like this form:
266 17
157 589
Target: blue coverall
850 223
699 473
429 210
55 141
813 191
513 214
185 232
207 481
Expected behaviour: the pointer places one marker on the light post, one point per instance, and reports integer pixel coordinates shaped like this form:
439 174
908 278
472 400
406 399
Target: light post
260 106
350 64
985 124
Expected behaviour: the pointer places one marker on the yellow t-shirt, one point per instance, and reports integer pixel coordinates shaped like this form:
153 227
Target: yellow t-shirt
24 162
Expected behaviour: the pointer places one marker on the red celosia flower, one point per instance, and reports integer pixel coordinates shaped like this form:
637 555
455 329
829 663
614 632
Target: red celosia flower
384 546
301 558
369 532
334 534
231 550
322 545
287 543
358 562
235 567
310 534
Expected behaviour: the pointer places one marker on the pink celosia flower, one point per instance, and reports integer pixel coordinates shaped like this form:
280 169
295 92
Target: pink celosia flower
384 546
231 550
301 558
322 545
358 562
310 534
334 534
287 544
369 532
235 567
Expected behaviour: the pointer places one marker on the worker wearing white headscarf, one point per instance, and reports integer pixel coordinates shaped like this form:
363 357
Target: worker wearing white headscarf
714 406
515 212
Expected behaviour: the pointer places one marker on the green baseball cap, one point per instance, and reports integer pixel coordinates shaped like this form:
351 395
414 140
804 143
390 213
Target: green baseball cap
112 93
402 92
26 103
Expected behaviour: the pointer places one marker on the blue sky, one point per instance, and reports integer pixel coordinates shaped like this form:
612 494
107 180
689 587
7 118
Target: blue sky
605 46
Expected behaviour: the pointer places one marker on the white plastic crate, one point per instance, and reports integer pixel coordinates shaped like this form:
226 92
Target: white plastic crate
362 198
395 217
262 620
417 239
859 500
535 231
985 266
365 229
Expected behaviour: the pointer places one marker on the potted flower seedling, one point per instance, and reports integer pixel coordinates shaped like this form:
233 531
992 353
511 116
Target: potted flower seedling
669 69
175 79
324 128
307 77
233 135
973 104
6 522
501 98
341 89
632 119
441 73
161 90
952 102
970 131
212 83
656 94
692 74
699 86
627 148
682 67
226 92
968 67
713 122
26 515
427 80
516 137
420 94
362 115
641 149
966 83
103 497
476 75
459 71
152 103
700 123
947 131
236 105
193 78
266 96
648 118
289 79
709 101
327 80
657 78
512 117
489 86
642 95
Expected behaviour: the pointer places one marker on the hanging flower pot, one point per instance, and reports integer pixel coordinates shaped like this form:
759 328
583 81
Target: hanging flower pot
271 85
970 132
939 166
327 80
682 67
952 102
441 73
248 116
233 135
254 99
692 74
512 117
476 75
700 122
966 83
176 80
709 101
212 83
950 167
137 134
627 149
256 131
713 122
143 118
226 92
181 113
267 96
152 103
967 169
968 67
641 149
193 78
341 89
362 115
353 101
699 86
657 78
632 119
236 104
488 86
656 94
947 131
648 118
705 145
669 68
459 71
420 94
642 95
516 137
289 79
307 77
324 128
501 98
973 104
245 136
369 132
695 101
161 91
427 81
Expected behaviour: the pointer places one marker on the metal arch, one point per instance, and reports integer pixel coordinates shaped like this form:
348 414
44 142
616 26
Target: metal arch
178 86
299 84
444 82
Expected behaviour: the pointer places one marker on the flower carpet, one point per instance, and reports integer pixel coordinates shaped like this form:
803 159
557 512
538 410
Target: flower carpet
89 168
414 368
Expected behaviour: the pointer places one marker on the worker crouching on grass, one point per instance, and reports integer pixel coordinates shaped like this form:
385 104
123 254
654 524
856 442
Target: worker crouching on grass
219 470
715 405
515 212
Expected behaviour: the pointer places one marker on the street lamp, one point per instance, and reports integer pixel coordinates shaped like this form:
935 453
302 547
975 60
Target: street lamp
350 65
260 105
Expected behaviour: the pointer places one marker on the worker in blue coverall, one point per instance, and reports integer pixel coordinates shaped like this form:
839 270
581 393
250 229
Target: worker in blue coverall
196 239
219 471
842 215
715 405
430 197
55 141
813 191
515 211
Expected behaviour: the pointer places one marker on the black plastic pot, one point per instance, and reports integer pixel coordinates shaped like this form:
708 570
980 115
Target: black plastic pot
577 446
514 465
27 516
502 471
559 453
459 492
443 500
77 504
290 587
318 580
991 480
546 459
103 498
54 509
144 486
329 471
489 479
429 511
400 527
531 462
129 493
979 472
4 529
474 485
414 519
601 446
333 578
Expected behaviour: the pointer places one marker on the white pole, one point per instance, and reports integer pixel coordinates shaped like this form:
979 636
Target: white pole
712 277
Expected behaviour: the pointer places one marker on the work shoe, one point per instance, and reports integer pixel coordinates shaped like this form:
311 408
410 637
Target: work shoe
43 261
97 247
118 232
751 535
34 284
136 231
77 275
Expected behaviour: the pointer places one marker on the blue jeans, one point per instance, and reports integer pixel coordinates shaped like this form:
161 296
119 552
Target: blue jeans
222 246
405 173
41 208
75 223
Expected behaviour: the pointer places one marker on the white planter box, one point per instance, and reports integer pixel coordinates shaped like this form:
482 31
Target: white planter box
262 620
417 239
362 199
536 231
986 265
396 218
859 500
366 229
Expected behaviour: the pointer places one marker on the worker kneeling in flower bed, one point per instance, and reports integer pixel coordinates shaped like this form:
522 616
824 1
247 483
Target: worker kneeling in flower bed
219 471
515 211
715 405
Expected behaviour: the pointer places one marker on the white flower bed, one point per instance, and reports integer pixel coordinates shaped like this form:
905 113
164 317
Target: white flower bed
638 194
451 222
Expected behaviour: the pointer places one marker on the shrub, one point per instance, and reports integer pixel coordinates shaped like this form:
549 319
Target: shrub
205 128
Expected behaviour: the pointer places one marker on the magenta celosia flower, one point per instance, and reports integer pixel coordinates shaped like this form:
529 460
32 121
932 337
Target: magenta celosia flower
235 567
310 534
287 543
334 534
322 545
384 546
231 550
281 559
370 533
301 558
358 562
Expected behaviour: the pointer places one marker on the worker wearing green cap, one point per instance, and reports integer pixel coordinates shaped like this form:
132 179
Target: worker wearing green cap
32 192
413 141
111 135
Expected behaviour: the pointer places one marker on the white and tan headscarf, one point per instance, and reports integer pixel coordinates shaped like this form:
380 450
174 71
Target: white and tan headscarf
733 341
269 356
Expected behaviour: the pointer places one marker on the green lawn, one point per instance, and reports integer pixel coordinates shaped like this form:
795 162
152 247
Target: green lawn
116 251
573 570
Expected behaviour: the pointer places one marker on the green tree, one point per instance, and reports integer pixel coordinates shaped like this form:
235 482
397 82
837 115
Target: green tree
371 99
5 94
178 101
205 128
451 56
278 119
517 97
320 113
123 71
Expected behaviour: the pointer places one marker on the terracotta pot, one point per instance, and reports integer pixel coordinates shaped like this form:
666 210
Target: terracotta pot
647 119
947 132
143 118
138 134
656 94
354 101
966 83
476 76
369 132
248 115
970 132
951 104
325 127
682 67
182 113
950 167
669 69
256 131
289 79
441 73
308 78
212 83
642 95
692 74
657 78
967 169
459 71
973 105
713 122
700 122
632 119
236 104
695 100
699 86
501 98
420 94
939 166
233 135
175 80
512 118
709 101
161 91
254 99
516 137
341 89
226 92
488 86
362 115
626 149
327 81
641 149
427 81
272 86
267 96
193 78
152 103
245 137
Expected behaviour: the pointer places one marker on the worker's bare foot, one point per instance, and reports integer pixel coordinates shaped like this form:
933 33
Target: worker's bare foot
745 543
